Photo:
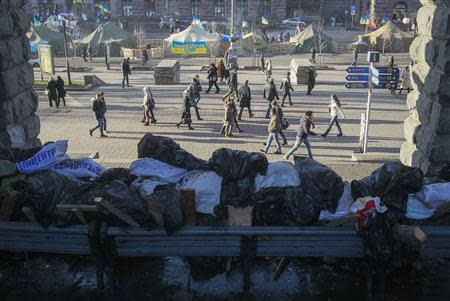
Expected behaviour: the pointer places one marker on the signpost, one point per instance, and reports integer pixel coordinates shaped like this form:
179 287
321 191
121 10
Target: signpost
353 13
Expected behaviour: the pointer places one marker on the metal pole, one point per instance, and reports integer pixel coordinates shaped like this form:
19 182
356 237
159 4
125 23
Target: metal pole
232 24
352 22
69 80
369 101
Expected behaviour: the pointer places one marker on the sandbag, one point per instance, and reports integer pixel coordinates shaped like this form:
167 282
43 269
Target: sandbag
235 164
168 151
118 173
322 186
150 167
207 186
434 195
47 157
343 208
79 168
169 201
145 187
279 174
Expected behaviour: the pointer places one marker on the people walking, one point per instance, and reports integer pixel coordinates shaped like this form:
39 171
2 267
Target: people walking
311 80
391 61
270 93
195 90
61 91
230 98
405 78
186 114
335 108
102 96
99 108
229 118
148 104
91 53
313 55
263 64
126 71
84 53
280 114
144 56
268 70
212 78
244 100
233 82
286 87
274 129
304 130
221 70
355 57
52 92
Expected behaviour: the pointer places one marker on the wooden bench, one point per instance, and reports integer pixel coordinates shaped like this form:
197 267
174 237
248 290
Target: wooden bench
244 242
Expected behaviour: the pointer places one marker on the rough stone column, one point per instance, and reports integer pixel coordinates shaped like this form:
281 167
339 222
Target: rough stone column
427 129
19 125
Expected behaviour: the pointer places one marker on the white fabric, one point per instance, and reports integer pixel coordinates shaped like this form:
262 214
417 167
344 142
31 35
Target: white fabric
79 168
416 209
50 155
434 195
343 208
361 203
279 174
145 187
150 167
207 186
334 109
193 33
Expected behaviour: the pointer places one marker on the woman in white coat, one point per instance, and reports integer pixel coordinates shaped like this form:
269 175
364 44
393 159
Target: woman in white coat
335 108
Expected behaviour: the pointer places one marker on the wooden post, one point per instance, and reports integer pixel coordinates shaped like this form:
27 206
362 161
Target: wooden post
188 206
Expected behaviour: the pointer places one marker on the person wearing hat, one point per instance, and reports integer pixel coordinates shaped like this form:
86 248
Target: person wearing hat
274 129
286 87
270 93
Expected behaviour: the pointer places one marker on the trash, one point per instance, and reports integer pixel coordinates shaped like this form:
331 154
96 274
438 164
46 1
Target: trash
417 210
8 175
343 208
299 208
434 195
121 174
17 154
366 203
145 187
392 182
150 167
237 193
269 212
444 173
10 205
321 185
207 186
49 155
168 151
236 165
79 168
169 201
279 174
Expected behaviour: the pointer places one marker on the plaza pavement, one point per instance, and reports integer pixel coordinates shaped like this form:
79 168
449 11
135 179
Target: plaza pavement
125 112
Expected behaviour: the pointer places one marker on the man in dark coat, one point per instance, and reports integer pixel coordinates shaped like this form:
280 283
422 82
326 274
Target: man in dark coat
270 93
286 87
244 100
194 96
144 56
99 108
311 80
313 55
126 71
52 92
61 91
212 78
186 114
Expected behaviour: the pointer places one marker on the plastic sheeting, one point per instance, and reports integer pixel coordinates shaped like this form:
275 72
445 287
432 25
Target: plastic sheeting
49 155
145 187
343 207
150 167
417 209
279 174
434 195
79 168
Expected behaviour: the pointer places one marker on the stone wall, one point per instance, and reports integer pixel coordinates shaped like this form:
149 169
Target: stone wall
19 125
427 129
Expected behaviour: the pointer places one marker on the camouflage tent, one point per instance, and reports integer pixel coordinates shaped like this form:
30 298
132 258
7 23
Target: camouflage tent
43 34
109 33
388 38
253 41
310 38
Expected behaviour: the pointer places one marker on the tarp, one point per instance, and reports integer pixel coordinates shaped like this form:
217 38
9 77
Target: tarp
310 38
253 41
388 38
43 35
109 33
194 40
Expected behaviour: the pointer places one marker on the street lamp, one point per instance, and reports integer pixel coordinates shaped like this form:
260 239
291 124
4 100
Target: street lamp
69 80
232 54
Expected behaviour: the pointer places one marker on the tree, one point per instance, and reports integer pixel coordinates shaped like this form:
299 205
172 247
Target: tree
139 34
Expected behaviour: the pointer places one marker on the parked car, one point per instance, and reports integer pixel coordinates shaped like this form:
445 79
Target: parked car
294 22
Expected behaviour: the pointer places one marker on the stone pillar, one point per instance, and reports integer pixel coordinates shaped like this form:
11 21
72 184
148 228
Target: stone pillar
19 125
427 129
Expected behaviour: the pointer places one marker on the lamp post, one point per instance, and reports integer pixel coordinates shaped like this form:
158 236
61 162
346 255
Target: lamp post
232 54
69 80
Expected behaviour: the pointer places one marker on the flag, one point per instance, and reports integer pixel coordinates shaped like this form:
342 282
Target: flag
264 20
196 20
104 7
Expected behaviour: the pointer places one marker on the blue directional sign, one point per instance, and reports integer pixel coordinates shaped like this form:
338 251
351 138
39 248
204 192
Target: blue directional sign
357 77
385 86
357 85
387 77
358 70
388 70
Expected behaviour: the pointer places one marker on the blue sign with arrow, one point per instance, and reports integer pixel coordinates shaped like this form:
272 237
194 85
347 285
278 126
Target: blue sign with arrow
357 77
358 70
357 85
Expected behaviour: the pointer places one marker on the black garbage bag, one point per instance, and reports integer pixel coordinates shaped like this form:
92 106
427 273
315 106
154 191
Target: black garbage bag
444 173
205 268
121 174
235 164
392 182
237 192
17 154
321 185
169 201
168 151
299 208
43 191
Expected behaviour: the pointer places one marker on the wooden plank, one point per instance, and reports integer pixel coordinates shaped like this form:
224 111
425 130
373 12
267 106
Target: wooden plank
79 214
188 207
85 208
111 208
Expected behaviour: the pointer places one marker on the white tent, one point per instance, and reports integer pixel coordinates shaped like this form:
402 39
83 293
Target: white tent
194 40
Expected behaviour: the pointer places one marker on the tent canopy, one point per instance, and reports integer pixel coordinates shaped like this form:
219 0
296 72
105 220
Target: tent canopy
253 41
388 38
193 33
194 40
311 38
109 33
42 35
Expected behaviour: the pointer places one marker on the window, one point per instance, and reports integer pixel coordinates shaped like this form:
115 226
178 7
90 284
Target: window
149 8
265 8
127 8
219 8
172 7
242 8
196 7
